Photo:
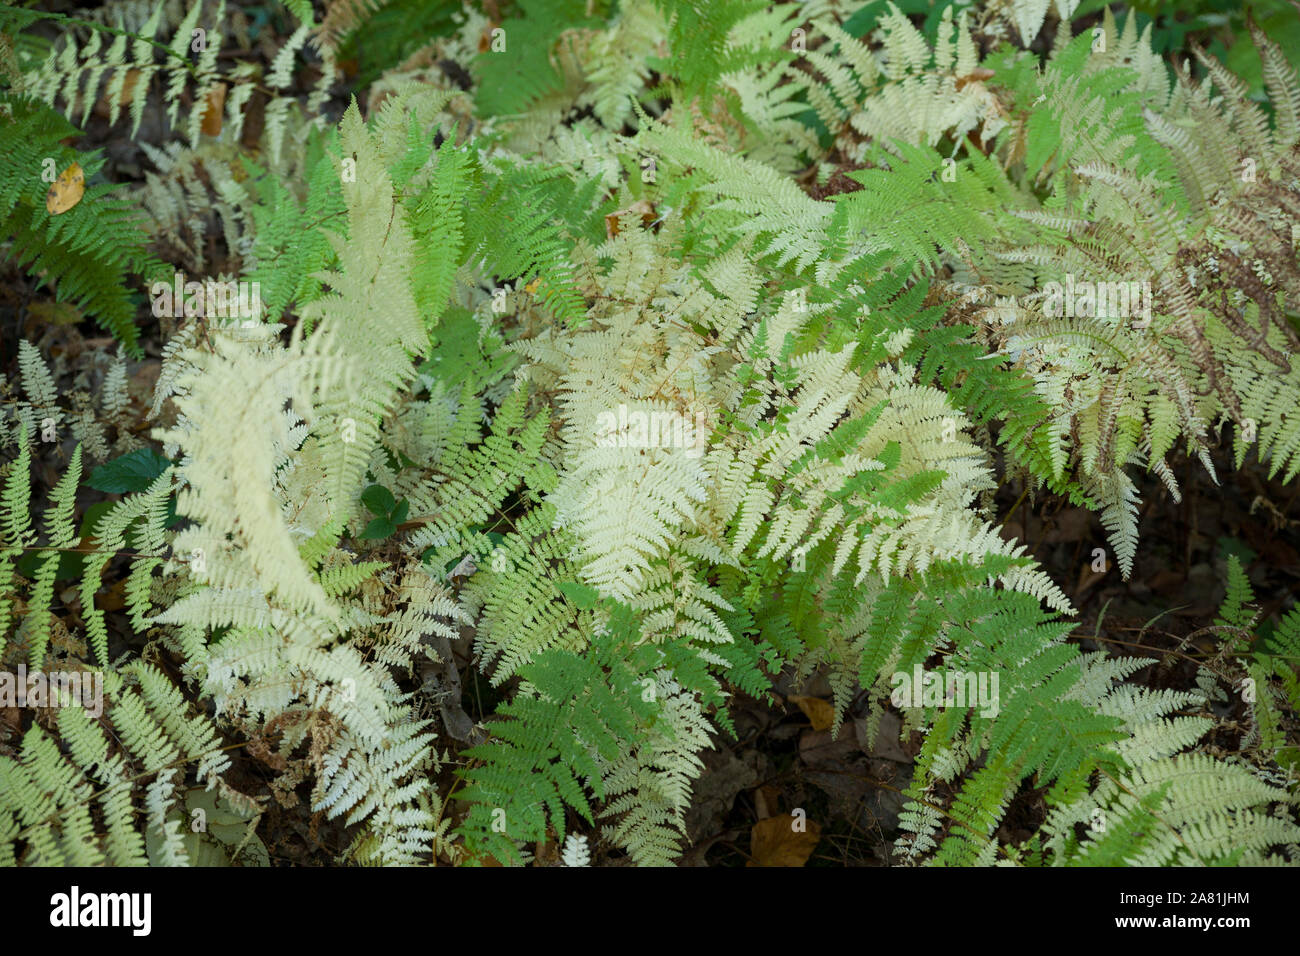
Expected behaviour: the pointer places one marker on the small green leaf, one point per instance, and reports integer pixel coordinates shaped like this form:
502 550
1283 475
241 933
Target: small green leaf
378 528
69 566
379 500
90 517
134 471
400 512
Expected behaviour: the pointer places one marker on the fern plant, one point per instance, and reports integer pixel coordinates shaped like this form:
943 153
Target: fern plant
86 252
109 790
1171 806
681 343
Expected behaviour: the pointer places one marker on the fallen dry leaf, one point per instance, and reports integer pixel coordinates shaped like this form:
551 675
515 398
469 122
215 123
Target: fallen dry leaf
766 798
141 385
216 101
56 313
641 207
112 598
128 87
886 745
66 191
977 75
11 721
776 842
725 776
820 712
545 853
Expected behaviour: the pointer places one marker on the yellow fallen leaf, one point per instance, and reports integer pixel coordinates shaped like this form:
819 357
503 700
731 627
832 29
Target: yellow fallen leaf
776 842
820 712
56 313
66 191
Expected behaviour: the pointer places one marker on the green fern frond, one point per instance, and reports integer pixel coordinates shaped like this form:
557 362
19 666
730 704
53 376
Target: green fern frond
86 252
